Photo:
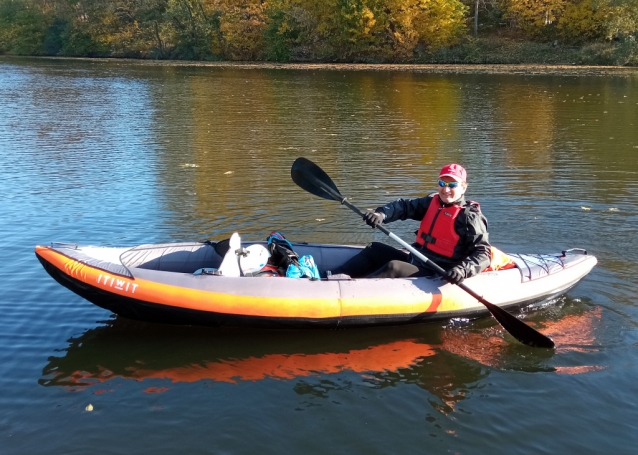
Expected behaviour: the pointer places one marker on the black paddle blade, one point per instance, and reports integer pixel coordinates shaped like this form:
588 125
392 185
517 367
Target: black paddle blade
314 180
518 329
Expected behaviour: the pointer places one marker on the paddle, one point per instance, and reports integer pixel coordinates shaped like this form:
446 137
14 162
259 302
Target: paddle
314 180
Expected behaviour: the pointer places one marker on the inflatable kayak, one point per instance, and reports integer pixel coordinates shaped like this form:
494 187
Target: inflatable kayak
169 283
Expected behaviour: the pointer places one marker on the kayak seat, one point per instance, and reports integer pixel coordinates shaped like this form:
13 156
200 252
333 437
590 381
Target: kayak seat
172 257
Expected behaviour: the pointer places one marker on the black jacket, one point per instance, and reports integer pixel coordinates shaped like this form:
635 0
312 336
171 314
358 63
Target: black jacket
471 255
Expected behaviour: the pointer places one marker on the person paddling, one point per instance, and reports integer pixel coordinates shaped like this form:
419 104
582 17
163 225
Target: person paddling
453 234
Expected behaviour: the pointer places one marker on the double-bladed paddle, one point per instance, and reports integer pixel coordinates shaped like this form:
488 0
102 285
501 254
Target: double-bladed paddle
314 180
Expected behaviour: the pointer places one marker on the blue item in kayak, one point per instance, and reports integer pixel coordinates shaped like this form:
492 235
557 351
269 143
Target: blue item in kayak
305 269
278 236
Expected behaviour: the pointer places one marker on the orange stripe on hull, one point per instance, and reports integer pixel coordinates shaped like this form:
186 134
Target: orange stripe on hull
244 305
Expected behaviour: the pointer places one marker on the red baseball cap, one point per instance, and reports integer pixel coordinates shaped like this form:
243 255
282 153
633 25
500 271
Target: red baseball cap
456 171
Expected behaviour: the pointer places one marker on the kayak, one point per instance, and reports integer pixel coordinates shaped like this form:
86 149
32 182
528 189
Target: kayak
170 283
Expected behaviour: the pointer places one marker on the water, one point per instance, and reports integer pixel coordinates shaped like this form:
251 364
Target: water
123 154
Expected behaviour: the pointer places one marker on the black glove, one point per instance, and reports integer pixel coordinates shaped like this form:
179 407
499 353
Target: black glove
373 219
454 276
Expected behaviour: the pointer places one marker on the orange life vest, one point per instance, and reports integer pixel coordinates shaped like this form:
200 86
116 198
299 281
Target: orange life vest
499 261
436 232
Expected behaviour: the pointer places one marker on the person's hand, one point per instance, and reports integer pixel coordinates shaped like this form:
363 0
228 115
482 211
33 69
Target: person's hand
373 219
454 276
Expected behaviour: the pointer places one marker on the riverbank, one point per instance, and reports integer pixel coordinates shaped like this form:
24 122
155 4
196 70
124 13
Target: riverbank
519 69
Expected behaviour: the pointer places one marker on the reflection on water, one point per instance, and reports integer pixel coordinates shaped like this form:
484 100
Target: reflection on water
125 349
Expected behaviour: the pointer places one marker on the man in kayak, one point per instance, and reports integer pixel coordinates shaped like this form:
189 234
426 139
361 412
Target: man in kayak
453 234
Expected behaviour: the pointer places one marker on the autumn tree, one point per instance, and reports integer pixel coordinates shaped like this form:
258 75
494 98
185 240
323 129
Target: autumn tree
536 17
363 30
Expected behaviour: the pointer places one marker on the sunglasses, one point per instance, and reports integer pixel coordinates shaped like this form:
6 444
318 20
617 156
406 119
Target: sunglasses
450 185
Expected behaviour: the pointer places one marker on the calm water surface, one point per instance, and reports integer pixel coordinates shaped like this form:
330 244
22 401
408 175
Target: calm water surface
122 154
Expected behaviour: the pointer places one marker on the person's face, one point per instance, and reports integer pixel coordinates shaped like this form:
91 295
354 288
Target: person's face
448 194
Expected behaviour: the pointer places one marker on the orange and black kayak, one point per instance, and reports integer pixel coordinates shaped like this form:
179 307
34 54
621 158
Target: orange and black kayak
161 283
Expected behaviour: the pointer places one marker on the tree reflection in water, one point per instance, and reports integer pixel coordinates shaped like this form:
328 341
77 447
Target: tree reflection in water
446 362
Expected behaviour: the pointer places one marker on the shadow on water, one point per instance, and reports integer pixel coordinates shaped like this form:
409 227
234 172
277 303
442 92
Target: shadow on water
442 360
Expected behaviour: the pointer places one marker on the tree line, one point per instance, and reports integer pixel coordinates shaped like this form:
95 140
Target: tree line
302 30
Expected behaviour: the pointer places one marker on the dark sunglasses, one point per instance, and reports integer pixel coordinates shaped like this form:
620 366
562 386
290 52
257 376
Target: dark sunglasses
450 185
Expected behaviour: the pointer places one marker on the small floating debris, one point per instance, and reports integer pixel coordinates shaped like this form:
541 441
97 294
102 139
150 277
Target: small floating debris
189 165
228 172
585 208
613 209
89 408
155 390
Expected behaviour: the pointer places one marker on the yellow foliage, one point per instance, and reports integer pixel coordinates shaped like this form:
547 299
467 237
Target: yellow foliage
386 29
583 21
242 27
440 22
620 18
534 16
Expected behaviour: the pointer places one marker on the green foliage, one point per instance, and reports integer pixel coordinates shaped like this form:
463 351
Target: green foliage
491 15
502 51
54 37
78 42
190 29
281 33
22 27
621 52
622 19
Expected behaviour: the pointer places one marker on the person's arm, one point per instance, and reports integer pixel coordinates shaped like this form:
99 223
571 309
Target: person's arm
403 209
476 243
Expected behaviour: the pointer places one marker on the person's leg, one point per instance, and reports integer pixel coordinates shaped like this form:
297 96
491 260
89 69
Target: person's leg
371 258
399 269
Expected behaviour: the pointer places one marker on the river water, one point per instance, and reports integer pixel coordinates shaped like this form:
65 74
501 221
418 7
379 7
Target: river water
118 153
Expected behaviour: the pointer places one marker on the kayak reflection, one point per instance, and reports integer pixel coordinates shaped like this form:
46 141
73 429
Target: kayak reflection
443 361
